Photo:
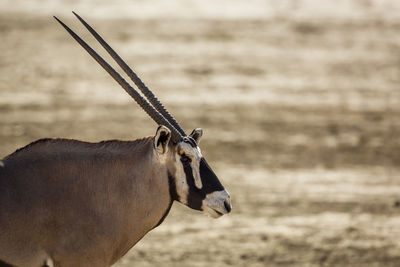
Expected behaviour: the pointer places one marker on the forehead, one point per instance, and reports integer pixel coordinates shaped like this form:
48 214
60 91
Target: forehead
189 148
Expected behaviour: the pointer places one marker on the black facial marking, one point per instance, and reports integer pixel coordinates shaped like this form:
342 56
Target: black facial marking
189 140
185 159
209 179
195 196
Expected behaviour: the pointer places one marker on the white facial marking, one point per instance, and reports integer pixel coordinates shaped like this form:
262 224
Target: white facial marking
1 164
195 164
214 203
182 188
196 175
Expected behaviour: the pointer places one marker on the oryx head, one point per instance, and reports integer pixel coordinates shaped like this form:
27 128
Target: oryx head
194 182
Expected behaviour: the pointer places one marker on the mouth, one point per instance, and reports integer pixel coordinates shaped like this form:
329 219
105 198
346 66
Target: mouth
217 204
213 213
219 213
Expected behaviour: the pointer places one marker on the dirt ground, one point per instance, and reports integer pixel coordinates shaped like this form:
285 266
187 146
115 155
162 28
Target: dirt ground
299 101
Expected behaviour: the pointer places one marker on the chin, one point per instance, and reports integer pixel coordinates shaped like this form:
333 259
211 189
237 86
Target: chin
212 213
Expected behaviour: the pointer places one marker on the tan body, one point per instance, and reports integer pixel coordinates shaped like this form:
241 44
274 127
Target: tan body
81 204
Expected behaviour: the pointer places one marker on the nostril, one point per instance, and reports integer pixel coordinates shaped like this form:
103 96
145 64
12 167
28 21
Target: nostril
227 205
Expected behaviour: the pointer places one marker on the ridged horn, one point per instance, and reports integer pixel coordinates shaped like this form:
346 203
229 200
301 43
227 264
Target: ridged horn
132 75
143 103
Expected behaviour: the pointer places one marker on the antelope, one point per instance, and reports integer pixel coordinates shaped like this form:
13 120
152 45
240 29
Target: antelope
72 203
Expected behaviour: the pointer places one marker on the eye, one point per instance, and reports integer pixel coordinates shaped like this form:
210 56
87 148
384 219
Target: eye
185 159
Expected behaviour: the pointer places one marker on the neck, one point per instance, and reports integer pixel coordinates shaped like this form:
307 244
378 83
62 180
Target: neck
148 191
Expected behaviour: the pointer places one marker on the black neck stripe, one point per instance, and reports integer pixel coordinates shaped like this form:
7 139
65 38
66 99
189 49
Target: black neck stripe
4 264
172 187
173 196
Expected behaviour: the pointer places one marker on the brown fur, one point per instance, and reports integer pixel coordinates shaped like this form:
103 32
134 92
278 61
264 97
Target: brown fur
81 204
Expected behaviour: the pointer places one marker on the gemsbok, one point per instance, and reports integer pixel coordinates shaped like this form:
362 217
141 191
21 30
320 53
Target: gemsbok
72 203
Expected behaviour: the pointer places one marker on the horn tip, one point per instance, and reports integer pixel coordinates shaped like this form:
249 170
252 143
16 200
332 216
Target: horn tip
58 20
79 17
62 23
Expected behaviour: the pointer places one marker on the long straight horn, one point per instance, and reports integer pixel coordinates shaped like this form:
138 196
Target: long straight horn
145 90
143 103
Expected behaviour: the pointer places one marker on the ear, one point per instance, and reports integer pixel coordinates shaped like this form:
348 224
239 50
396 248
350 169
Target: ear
161 139
197 134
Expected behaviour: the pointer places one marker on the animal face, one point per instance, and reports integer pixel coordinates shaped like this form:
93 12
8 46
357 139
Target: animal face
197 186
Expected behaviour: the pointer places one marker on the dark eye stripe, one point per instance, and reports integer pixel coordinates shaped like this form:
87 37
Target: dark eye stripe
195 196
185 159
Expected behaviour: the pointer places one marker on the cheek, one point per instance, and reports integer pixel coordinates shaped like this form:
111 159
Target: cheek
182 188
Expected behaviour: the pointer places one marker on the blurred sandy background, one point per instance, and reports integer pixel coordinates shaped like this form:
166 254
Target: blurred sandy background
299 101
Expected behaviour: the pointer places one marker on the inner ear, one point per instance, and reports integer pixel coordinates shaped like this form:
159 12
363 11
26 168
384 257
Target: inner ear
161 139
197 134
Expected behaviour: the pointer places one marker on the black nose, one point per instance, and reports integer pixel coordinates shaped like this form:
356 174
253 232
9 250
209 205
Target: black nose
228 206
